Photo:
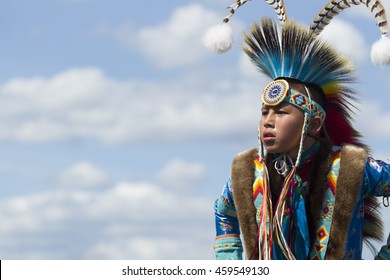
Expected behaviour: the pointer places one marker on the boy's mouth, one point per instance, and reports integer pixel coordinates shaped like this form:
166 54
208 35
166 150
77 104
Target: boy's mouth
268 137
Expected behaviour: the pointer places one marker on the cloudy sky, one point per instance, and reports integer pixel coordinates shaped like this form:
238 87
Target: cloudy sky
117 127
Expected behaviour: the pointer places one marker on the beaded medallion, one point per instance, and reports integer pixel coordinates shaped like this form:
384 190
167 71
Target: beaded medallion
275 92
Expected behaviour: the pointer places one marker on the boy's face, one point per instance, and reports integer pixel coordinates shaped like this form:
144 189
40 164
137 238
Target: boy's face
281 128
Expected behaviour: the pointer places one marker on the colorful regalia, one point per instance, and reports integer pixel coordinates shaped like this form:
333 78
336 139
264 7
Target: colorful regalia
326 206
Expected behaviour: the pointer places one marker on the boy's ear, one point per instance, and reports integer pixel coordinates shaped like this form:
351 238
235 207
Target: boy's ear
315 126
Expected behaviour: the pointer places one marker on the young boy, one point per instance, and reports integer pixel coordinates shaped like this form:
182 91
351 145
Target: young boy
309 191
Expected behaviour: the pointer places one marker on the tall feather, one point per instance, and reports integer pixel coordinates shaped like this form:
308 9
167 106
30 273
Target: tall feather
233 7
378 10
278 6
333 8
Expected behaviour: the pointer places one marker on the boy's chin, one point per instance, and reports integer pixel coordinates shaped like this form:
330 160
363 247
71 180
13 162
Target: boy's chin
272 150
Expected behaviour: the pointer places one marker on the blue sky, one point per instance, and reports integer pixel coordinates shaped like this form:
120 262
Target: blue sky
117 127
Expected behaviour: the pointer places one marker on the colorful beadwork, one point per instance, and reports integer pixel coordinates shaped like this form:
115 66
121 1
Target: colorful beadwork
279 91
275 92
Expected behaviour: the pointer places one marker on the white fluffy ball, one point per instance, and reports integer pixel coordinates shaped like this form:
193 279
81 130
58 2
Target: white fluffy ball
219 38
380 51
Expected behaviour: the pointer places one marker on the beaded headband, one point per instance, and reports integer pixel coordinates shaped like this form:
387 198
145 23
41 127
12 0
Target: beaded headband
279 91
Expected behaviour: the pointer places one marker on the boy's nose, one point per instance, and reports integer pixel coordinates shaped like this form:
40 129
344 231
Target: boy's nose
269 120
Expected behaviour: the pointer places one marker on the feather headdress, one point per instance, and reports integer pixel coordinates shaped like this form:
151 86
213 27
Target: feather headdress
295 52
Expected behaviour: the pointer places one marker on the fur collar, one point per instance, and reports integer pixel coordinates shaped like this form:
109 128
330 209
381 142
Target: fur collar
353 161
242 174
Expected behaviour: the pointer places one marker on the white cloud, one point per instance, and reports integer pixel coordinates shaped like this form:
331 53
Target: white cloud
347 39
180 174
130 220
84 103
83 174
176 42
